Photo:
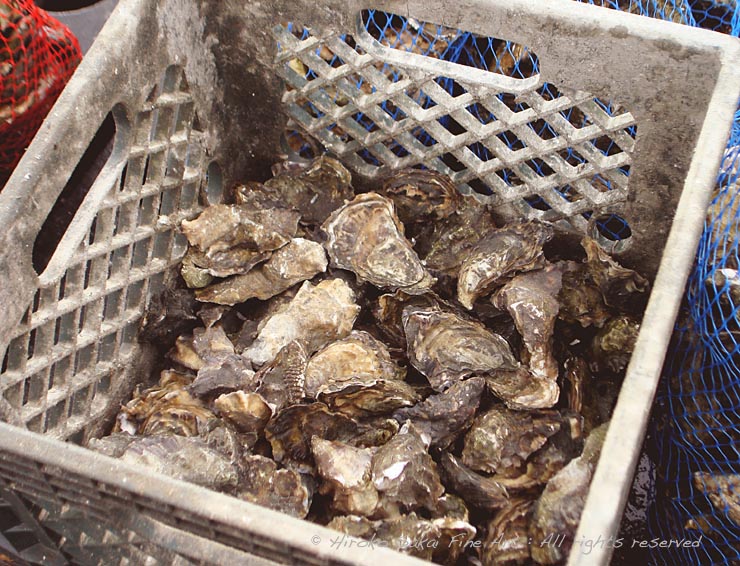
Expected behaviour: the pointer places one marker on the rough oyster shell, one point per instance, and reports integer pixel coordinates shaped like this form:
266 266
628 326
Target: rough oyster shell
223 263
113 445
248 412
499 254
316 190
297 261
621 287
446 348
501 439
366 237
290 432
479 491
389 313
507 538
519 389
184 458
286 491
224 226
442 417
359 355
420 195
363 396
316 316
611 348
282 381
580 299
531 299
559 508
346 474
374 431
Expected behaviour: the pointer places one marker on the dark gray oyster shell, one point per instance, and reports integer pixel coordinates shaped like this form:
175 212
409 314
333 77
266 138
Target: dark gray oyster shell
297 261
316 316
442 417
531 299
447 348
184 458
559 508
580 299
479 491
611 348
286 491
113 445
621 287
346 475
374 431
358 356
498 255
501 439
366 237
282 381
421 195
507 535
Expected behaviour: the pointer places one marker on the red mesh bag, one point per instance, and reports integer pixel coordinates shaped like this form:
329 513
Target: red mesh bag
37 57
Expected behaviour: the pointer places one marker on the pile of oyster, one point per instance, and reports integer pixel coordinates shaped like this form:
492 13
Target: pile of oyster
391 364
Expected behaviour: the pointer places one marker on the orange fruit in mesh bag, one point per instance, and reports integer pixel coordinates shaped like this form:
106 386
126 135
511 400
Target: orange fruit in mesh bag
37 57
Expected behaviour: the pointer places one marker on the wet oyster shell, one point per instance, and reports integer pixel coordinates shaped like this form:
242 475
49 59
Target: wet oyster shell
446 348
442 417
248 412
316 316
374 431
290 432
454 534
282 381
501 439
521 390
357 356
723 490
580 299
316 190
479 491
286 491
559 508
366 237
611 348
362 397
184 458
498 255
421 195
222 263
389 313
621 287
531 299
223 226
297 261
507 538
223 375
195 277
346 474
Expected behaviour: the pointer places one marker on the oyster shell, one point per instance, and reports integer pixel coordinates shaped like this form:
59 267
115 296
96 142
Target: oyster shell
248 412
479 491
519 389
316 316
224 226
442 417
346 474
363 396
580 299
447 348
374 431
621 287
223 375
195 277
498 255
290 432
282 381
358 356
454 535
611 348
316 190
366 237
501 439
297 261
405 475
286 491
420 195
389 313
723 490
531 299
188 459
233 261
577 376
113 445
559 508
507 538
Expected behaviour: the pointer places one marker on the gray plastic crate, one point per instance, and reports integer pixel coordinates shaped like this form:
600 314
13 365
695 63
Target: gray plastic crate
197 92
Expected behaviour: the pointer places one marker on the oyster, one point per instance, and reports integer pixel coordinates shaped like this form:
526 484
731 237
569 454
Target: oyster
389 313
507 537
409 534
519 389
224 226
442 417
479 491
290 432
316 190
297 261
363 396
113 445
366 237
576 374
447 348
286 491
374 431
420 195
531 299
580 299
316 316
223 375
454 536
346 474
559 508
501 439
723 490
248 412
233 261
194 276
498 255
282 381
405 475
611 348
170 314
182 458
621 287
358 356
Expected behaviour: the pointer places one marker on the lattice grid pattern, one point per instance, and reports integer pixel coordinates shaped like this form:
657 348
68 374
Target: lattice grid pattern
504 135
71 352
